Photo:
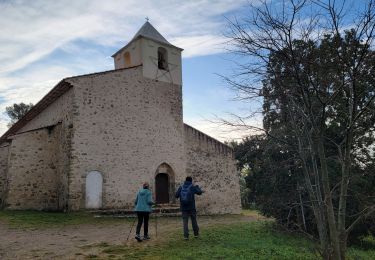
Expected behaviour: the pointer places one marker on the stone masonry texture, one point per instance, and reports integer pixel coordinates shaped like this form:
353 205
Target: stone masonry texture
125 126
4 152
212 166
33 180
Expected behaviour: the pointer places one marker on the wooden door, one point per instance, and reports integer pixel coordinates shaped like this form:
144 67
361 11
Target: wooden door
162 188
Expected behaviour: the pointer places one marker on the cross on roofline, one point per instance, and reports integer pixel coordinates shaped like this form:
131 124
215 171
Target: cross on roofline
147 19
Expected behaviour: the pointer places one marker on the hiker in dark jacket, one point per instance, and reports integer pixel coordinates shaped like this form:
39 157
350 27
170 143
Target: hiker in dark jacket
186 194
143 204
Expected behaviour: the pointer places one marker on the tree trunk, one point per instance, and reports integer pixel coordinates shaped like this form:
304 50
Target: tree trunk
333 234
316 201
345 172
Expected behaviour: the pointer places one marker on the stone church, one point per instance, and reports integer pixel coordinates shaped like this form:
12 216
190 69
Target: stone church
94 139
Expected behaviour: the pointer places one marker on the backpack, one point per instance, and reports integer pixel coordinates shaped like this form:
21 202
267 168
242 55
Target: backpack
186 196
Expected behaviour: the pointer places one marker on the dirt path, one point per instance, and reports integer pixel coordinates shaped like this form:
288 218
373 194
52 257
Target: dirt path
75 242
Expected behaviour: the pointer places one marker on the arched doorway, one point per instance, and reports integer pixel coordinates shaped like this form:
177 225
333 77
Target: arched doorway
94 190
164 184
162 188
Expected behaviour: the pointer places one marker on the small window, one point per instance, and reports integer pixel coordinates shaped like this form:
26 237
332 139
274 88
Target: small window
127 59
162 59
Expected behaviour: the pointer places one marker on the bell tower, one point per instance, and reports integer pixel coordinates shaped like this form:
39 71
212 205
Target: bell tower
160 59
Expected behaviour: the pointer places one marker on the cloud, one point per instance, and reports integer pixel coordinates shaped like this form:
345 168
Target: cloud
28 87
42 42
221 131
33 29
200 45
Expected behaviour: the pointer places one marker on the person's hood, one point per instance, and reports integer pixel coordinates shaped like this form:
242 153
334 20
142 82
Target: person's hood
143 192
187 184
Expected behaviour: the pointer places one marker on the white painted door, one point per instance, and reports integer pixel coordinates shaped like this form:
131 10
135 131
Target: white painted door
94 188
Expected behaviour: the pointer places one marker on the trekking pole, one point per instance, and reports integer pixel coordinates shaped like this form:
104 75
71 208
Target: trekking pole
131 229
156 225
156 221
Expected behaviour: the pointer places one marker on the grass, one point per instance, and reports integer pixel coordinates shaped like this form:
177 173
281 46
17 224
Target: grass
254 214
42 220
254 240
242 240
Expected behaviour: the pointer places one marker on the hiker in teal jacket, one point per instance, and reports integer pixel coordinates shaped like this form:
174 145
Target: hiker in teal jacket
143 203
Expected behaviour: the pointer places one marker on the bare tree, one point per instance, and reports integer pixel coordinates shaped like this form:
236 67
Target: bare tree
277 42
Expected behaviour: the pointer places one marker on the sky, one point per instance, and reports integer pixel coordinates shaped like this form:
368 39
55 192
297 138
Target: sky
42 42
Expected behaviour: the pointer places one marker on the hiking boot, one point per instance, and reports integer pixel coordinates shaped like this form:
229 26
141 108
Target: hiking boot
186 238
147 237
138 237
196 236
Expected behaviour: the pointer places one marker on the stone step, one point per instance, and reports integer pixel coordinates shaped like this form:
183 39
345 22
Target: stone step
164 210
153 215
167 205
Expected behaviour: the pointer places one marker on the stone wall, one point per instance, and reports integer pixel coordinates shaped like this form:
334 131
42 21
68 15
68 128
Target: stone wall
4 152
33 170
53 152
212 166
60 111
125 126
63 165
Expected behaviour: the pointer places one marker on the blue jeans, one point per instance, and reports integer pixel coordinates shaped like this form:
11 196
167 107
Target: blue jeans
185 217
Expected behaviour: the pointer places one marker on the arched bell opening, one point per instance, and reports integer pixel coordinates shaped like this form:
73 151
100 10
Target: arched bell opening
162 58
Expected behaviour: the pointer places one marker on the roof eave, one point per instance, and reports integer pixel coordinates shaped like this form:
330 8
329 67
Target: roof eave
51 96
141 36
58 90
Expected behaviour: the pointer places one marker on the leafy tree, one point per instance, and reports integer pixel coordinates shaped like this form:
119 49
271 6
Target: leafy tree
276 187
17 111
318 87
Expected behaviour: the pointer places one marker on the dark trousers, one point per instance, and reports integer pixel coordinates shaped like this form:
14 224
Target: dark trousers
185 218
142 216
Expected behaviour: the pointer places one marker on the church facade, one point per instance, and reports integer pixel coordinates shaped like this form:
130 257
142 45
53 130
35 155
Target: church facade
94 139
